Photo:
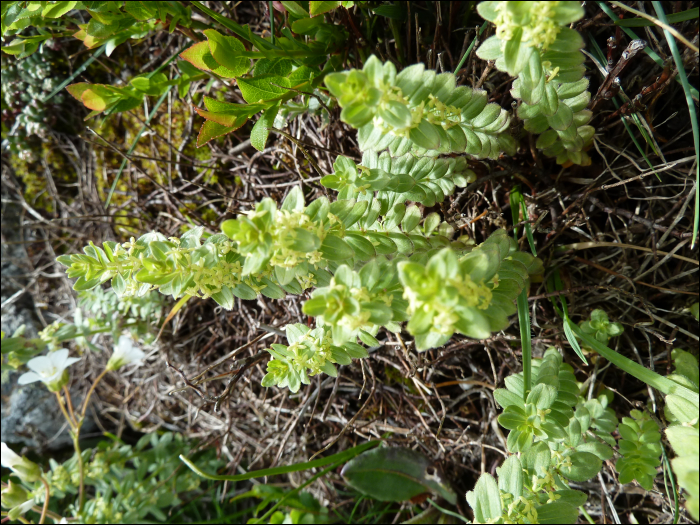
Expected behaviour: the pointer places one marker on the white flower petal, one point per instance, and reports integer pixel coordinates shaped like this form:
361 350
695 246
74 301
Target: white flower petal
8 456
40 364
27 505
70 361
28 377
125 344
58 358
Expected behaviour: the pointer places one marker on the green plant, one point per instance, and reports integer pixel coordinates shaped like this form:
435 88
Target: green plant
641 449
130 483
600 327
682 431
111 23
419 111
532 44
100 312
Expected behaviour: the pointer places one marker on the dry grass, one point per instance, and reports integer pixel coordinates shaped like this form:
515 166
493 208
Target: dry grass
619 236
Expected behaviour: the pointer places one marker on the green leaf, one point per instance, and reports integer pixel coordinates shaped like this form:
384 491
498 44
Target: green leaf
211 130
604 452
425 135
335 249
557 512
516 54
140 10
510 477
537 459
584 466
260 132
485 500
542 396
411 218
227 51
396 474
505 398
199 55
672 18
295 8
684 440
550 101
57 9
319 8
684 410
294 201
263 88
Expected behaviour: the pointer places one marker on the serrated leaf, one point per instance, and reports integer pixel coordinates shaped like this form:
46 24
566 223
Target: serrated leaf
227 51
199 55
263 88
57 9
211 130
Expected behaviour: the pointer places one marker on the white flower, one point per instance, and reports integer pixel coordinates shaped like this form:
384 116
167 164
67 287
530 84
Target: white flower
9 457
21 466
49 369
125 353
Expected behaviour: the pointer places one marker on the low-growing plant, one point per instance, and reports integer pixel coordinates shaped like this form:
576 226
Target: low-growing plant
100 312
367 257
129 483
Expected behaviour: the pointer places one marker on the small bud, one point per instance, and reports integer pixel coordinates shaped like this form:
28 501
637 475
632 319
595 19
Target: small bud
13 495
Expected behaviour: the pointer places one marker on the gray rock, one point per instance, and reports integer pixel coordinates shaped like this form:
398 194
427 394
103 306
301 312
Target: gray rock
30 414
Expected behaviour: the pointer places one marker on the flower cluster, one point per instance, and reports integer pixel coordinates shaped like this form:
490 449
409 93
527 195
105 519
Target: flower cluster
356 304
535 23
473 295
310 352
532 43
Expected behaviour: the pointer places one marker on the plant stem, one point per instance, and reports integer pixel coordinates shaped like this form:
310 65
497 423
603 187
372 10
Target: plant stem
46 500
63 409
586 515
81 493
89 394
66 392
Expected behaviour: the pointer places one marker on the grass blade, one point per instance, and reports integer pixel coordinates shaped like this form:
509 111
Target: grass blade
564 313
649 51
134 144
525 341
471 46
321 462
635 369
691 107
77 72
